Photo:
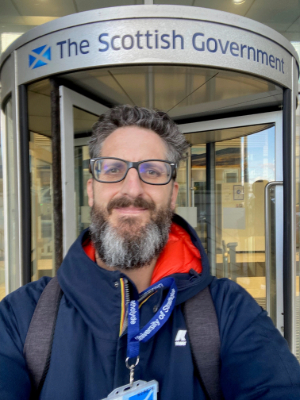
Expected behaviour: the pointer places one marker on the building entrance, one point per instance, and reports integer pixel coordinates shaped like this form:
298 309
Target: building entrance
228 84
223 193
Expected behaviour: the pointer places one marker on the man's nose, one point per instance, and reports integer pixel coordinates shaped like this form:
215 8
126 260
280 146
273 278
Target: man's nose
132 186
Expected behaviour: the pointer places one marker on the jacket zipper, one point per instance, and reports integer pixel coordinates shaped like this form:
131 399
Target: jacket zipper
127 293
126 301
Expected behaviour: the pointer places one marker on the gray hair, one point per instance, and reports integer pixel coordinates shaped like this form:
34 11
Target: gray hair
156 121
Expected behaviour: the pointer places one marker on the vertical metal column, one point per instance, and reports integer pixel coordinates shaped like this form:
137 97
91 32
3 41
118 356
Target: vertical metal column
211 205
3 133
25 185
56 168
17 246
289 210
188 178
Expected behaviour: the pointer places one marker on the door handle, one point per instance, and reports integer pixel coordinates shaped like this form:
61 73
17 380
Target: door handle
268 188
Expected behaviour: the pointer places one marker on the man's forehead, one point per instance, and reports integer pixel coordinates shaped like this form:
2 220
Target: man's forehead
134 141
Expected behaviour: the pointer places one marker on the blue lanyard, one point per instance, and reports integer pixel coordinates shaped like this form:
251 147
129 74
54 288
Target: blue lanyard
135 335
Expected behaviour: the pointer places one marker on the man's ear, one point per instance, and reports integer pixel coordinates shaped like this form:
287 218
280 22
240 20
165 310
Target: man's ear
90 191
174 195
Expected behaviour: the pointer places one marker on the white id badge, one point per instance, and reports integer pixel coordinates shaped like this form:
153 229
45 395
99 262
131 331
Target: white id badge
140 390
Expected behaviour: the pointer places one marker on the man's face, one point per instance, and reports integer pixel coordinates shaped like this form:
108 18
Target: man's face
131 219
132 144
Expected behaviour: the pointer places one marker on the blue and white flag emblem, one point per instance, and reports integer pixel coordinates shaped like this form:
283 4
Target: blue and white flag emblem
39 56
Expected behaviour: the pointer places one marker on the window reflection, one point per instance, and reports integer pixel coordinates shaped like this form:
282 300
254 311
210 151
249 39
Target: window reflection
83 122
198 190
82 175
243 167
42 206
12 210
40 156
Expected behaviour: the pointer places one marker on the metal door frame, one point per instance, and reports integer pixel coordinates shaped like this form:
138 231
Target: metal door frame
68 100
234 122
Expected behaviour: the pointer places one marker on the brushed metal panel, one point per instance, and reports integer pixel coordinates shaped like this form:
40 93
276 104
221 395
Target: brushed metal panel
6 77
151 11
156 41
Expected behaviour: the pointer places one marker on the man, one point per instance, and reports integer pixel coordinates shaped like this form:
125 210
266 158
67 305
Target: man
109 320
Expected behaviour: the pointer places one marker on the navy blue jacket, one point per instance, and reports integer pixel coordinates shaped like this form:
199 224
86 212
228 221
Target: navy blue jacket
88 356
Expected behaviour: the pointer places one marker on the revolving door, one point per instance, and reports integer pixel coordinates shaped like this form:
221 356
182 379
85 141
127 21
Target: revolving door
237 181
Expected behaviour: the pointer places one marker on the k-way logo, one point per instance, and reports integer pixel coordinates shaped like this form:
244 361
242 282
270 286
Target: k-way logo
180 339
40 56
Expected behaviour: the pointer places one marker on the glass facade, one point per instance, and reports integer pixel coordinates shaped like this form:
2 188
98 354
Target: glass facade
40 158
243 167
41 206
12 205
83 122
82 175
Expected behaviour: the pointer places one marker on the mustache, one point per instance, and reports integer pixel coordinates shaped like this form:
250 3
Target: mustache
123 202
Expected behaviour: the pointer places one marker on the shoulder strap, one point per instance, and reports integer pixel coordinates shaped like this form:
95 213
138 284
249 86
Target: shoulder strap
202 323
38 343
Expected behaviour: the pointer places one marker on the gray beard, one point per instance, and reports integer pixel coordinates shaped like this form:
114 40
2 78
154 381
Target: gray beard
129 246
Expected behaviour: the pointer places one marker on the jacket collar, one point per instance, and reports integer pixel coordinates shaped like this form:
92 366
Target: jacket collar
95 292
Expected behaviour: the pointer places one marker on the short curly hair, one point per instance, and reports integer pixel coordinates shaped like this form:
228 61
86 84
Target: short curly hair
125 115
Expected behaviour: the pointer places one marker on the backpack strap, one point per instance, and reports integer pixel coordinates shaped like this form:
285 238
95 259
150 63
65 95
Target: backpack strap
38 343
203 329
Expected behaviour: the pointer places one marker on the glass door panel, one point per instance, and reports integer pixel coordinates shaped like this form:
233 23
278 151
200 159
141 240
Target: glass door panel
78 115
82 174
41 185
198 189
42 241
12 206
83 123
245 159
243 168
183 203
183 180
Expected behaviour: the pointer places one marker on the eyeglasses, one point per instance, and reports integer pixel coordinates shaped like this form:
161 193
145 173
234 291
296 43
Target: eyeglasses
112 170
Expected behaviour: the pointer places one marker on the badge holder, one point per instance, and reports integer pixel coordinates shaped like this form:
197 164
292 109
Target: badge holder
142 390
139 390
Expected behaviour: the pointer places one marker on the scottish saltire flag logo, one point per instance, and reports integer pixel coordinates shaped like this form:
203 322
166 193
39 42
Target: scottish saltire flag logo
39 56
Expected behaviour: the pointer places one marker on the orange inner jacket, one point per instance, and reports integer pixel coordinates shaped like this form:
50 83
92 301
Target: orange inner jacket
178 256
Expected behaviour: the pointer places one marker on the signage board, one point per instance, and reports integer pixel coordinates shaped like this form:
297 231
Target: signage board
153 41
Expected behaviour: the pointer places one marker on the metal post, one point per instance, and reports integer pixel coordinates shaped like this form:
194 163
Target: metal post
211 206
268 251
289 210
56 168
17 246
188 178
25 185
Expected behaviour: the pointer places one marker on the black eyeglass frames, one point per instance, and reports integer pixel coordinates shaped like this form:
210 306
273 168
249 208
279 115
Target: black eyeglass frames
112 170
